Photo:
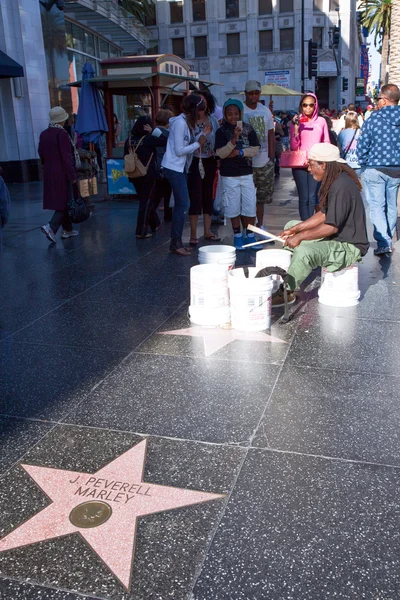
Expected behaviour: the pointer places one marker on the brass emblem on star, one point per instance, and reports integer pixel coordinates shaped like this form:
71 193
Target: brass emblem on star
90 514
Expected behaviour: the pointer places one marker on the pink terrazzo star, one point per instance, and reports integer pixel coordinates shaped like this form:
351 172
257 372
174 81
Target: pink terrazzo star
120 486
216 338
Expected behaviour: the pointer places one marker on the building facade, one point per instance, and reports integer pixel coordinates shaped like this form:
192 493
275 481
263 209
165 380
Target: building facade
52 40
231 41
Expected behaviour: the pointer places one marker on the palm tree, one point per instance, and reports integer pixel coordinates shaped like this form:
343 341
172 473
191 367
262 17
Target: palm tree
143 10
395 43
375 16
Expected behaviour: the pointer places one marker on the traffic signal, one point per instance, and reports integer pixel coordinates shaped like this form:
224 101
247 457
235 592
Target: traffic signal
345 84
312 59
336 37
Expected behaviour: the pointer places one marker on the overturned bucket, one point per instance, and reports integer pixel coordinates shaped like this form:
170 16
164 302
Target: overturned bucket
250 300
220 255
209 295
339 288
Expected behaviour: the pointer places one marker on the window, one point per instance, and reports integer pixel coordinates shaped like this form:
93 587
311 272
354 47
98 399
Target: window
199 10
176 12
286 39
104 50
232 43
265 41
285 6
333 4
178 47
265 7
200 46
78 38
318 5
89 43
232 9
317 35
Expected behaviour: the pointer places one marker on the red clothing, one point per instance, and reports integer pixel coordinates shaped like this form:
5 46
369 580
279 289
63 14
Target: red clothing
57 156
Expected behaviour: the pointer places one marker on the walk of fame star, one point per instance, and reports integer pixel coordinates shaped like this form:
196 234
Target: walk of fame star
216 338
102 507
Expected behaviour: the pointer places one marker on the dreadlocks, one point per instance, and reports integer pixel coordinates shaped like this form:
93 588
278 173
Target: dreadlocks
332 172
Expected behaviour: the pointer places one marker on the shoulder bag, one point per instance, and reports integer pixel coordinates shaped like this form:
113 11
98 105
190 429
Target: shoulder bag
133 166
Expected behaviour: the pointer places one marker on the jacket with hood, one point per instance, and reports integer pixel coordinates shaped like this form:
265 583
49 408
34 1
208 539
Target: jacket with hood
181 145
247 141
379 143
314 131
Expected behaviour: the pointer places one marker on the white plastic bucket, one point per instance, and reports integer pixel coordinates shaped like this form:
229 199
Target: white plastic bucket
274 258
339 288
250 300
221 255
209 295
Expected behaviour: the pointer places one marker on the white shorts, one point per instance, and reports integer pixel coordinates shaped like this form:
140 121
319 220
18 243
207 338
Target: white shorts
239 194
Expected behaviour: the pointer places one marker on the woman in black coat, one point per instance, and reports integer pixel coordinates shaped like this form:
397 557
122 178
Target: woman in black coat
146 146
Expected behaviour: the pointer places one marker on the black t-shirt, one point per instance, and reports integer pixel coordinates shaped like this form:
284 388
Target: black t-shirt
345 210
234 167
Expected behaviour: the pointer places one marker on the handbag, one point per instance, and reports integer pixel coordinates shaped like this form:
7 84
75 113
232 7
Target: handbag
141 169
93 186
133 166
292 159
78 211
84 188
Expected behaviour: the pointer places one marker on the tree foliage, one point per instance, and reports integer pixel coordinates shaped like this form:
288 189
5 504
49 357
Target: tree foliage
375 16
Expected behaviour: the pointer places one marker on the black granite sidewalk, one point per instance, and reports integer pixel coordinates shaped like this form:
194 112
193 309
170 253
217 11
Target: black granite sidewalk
297 434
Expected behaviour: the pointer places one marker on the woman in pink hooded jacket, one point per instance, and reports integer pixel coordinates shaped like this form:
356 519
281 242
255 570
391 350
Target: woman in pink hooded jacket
307 129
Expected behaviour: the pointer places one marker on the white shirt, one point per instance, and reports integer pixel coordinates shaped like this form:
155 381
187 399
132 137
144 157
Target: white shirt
261 121
179 152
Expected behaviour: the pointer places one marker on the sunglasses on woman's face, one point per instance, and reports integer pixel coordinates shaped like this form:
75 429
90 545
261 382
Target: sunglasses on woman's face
305 104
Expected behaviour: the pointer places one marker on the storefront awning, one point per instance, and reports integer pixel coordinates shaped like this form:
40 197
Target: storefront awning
166 79
9 68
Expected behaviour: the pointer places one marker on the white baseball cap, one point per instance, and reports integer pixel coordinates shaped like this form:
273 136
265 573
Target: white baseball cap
325 153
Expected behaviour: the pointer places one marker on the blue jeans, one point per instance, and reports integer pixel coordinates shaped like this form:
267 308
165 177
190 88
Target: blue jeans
307 189
381 194
178 183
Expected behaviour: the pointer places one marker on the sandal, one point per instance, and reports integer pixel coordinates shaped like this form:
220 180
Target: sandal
212 238
181 251
193 241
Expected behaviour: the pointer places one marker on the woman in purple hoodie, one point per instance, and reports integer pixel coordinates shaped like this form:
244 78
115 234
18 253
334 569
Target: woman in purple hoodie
307 129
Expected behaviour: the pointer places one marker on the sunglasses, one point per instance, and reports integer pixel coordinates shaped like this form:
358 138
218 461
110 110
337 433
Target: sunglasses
305 104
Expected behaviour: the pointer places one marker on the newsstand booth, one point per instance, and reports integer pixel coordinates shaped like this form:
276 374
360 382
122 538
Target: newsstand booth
135 85
147 82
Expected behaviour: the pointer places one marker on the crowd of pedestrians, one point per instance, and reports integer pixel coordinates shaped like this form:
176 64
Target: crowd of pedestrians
235 153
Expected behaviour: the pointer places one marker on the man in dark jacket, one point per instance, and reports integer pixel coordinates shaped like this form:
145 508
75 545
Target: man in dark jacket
378 153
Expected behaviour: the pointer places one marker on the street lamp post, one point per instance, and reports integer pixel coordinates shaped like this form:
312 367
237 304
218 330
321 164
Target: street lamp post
339 63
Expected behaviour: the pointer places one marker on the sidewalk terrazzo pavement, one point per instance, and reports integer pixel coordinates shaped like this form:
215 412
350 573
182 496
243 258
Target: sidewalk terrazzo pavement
295 433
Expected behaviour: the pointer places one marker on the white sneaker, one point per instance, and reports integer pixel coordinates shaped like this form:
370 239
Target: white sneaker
49 233
68 234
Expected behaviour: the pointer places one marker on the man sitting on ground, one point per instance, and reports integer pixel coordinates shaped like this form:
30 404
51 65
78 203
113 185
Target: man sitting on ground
336 236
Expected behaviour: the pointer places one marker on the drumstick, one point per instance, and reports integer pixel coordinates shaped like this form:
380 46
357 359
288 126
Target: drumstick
265 233
256 243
